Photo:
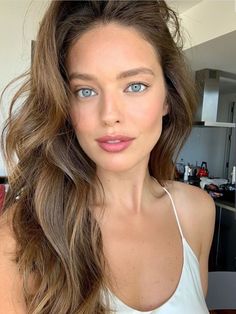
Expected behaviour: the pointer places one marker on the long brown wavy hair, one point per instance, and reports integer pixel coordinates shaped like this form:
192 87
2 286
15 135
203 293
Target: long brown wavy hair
52 180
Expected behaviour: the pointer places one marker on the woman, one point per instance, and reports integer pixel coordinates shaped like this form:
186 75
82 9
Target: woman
93 221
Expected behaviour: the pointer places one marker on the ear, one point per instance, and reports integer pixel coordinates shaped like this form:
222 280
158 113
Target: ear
165 109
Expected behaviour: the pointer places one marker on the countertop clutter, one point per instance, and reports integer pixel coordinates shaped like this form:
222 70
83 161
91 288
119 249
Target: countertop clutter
220 189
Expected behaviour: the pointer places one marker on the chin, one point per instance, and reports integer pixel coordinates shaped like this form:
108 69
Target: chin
113 167
119 165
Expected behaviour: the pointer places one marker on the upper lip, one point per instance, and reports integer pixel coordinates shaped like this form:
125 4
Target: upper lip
113 138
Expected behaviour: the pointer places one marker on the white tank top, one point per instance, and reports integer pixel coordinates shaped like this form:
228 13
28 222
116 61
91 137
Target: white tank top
188 297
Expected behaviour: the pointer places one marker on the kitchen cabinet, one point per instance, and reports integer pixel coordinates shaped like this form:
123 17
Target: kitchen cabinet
223 250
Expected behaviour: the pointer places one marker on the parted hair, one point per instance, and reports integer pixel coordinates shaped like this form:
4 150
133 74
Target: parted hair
52 182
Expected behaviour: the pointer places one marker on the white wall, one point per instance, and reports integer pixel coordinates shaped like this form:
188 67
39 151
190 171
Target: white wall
208 144
207 20
19 22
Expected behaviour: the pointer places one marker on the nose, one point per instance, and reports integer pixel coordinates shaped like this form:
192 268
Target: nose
110 112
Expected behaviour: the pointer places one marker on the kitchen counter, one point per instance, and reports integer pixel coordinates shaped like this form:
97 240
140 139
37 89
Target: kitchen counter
225 204
219 202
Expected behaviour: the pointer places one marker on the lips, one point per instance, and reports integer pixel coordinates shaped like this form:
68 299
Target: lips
109 138
114 144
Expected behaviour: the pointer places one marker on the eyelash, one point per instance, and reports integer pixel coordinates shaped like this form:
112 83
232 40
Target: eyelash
134 83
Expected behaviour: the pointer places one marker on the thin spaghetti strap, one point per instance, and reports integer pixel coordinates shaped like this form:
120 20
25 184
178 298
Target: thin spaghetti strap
176 215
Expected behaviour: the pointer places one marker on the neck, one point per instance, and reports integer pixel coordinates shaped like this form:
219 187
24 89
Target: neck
129 193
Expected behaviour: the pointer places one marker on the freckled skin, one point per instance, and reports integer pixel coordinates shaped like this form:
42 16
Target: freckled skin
115 108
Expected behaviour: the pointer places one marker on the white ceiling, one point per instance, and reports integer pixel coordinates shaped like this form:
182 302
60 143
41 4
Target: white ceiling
182 6
218 53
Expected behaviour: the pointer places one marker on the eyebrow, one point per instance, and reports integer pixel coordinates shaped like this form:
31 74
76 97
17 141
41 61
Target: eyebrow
128 73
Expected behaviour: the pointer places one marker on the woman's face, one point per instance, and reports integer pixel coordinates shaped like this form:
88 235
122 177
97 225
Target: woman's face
118 90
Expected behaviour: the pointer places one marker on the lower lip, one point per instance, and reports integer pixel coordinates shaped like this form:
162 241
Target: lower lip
116 147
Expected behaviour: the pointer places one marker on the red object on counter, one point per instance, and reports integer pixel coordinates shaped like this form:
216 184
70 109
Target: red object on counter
203 171
2 195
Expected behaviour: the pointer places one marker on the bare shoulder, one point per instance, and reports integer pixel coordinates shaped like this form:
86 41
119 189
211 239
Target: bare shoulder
193 200
196 210
11 289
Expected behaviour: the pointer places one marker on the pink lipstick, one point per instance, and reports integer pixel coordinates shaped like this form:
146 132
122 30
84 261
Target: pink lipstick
114 144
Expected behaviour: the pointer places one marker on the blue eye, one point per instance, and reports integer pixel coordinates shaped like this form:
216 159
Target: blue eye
137 87
85 92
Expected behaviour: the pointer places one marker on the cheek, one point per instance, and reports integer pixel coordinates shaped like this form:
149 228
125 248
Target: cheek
154 113
150 116
154 123
81 121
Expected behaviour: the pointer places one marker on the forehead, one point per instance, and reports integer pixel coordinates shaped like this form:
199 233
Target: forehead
111 45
